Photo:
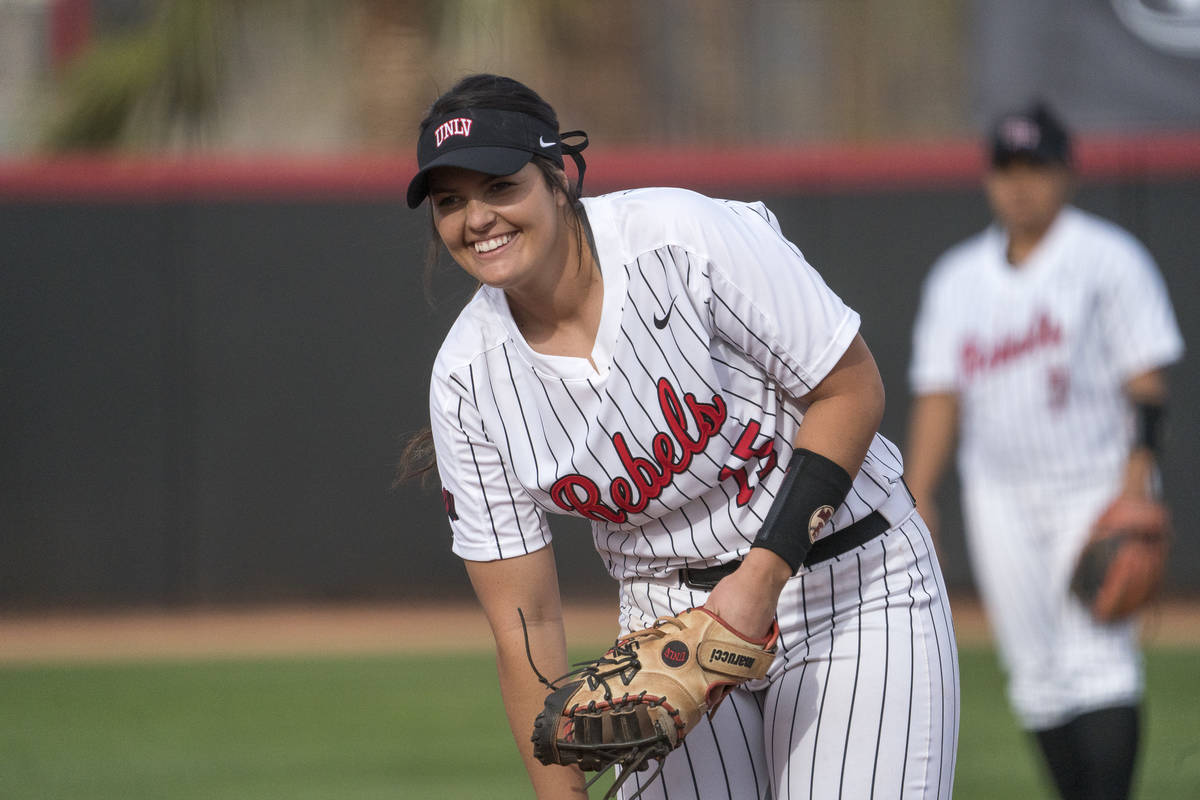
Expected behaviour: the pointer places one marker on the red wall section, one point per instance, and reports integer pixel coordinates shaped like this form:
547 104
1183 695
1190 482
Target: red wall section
770 170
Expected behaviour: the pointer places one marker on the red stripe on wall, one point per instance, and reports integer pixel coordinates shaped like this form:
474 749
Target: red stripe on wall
769 170
124 179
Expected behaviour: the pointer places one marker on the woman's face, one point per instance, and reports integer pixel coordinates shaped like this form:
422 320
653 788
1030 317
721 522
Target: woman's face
505 231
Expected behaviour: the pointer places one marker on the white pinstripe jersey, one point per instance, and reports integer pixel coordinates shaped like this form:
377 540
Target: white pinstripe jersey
1038 354
713 323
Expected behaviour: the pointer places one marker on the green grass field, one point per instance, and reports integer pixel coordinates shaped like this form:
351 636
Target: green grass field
401 727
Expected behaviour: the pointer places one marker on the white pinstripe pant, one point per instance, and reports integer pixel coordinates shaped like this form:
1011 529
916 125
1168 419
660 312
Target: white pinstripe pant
862 700
1023 543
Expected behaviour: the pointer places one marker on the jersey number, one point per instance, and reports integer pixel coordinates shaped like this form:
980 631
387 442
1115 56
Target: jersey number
744 450
1058 381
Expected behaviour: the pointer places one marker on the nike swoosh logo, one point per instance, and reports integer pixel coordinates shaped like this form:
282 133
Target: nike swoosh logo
662 323
544 143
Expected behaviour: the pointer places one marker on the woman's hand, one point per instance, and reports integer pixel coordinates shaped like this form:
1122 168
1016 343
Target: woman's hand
746 598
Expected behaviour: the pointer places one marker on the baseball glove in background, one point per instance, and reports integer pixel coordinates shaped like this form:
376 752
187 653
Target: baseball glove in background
638 700
1120 569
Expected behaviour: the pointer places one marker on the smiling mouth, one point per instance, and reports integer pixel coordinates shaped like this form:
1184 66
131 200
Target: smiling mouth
488 245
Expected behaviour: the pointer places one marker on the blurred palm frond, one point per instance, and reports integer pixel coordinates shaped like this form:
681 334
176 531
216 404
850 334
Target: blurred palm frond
141 88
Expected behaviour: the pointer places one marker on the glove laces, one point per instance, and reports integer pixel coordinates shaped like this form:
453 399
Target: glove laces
620 661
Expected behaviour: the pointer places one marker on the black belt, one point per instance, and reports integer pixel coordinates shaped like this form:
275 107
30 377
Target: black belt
831 546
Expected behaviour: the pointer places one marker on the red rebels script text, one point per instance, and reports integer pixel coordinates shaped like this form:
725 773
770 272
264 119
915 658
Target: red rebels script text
977 357
673 451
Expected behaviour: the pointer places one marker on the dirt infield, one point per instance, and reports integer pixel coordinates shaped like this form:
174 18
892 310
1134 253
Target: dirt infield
326 630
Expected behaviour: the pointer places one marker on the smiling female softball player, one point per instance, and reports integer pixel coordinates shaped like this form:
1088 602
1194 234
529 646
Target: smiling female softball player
669 367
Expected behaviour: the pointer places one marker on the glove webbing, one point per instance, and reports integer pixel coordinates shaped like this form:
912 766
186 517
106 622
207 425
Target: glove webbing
632 756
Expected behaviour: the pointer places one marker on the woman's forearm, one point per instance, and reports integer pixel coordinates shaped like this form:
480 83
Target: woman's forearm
524 695
529 584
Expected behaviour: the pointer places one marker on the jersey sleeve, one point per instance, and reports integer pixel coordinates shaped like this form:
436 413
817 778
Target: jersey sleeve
770 303
1138 321
934 365
491 516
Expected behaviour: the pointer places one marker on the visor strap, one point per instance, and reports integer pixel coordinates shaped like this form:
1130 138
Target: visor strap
574 151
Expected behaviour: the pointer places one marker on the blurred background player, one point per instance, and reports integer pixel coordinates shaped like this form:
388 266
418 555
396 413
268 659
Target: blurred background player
1040 343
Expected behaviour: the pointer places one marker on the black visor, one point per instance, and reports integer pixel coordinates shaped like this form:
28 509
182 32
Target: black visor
482 139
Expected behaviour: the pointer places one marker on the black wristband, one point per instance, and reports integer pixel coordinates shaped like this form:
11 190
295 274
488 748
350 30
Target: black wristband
1149 425
811 491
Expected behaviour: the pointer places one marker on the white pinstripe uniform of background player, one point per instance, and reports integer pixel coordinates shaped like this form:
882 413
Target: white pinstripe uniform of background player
1037 358
673 442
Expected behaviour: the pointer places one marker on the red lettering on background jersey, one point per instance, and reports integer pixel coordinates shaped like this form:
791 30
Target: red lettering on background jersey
672 450
1058 381
977 357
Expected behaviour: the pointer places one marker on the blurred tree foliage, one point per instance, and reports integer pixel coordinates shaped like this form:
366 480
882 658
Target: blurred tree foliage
143 87
348 75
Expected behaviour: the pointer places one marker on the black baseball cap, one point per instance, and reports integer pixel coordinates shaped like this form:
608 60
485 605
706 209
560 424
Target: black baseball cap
486 140
1035 135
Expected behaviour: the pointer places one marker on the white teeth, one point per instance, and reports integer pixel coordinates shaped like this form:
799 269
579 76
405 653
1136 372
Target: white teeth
491 244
